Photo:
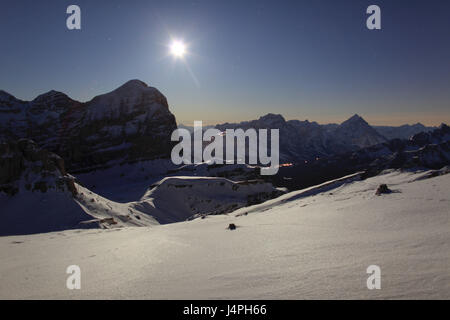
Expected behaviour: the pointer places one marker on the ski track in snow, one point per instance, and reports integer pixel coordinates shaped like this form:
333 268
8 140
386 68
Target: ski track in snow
318 246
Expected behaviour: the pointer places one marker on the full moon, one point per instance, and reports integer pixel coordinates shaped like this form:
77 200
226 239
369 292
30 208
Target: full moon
177 49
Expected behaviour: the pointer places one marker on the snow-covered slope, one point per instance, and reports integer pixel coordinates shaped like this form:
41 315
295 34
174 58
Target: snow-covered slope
176 199
37 195
129 182
170 200
318 246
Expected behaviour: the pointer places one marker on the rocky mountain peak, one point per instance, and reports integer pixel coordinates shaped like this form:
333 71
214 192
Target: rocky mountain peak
132 87
358 132
50 94
272 119
354 120
5 96
51 97
134 83
51 101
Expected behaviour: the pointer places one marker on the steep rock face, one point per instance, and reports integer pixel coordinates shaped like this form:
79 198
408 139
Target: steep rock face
9 103
436 136
23 165
130 123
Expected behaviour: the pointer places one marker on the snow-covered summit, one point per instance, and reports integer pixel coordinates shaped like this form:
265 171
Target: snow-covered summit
135 99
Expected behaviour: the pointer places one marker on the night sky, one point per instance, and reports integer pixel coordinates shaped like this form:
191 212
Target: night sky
311 60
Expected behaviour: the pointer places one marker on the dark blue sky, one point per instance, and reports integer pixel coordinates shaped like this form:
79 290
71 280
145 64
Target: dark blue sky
311 60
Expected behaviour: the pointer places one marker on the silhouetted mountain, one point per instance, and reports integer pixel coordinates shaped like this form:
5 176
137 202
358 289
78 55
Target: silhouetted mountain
357 132
402 132
304 140
130 123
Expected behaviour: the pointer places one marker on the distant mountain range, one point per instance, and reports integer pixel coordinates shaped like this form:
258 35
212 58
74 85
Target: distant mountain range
134 123
425 150
402 132
305 140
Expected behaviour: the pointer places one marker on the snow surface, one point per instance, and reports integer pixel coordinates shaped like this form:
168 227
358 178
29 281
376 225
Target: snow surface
315 246
175 199
127 182
130 181
172 199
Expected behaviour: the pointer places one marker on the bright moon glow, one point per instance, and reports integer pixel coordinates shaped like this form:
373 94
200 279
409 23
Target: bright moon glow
177 49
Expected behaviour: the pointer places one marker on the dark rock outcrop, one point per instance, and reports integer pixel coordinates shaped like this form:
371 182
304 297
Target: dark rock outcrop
231 226
402 132
382 188
24 165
